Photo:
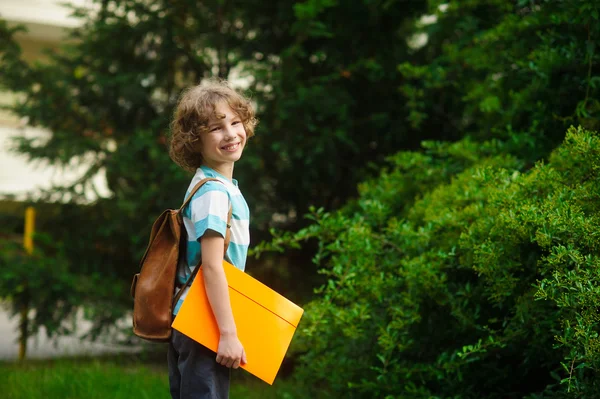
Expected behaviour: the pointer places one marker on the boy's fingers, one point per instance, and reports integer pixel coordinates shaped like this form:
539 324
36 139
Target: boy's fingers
226 361
223 360
243 360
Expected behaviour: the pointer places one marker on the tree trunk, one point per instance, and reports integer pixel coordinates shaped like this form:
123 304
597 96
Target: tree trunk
24 323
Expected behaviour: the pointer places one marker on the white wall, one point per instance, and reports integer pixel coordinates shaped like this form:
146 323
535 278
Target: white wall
43 12
47 22
18 177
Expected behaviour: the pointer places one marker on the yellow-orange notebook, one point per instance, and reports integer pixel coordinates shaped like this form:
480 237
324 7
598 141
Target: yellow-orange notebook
265 320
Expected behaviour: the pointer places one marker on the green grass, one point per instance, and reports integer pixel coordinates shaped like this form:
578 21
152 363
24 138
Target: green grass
110 379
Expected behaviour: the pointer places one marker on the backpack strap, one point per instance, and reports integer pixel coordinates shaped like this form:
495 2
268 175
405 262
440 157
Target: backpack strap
195 189
227 234
189 198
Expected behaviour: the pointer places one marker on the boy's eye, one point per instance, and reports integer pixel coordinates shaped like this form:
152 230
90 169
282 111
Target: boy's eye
236 122
214 129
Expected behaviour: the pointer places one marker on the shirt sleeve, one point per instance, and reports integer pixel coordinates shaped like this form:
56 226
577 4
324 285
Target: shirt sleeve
209 209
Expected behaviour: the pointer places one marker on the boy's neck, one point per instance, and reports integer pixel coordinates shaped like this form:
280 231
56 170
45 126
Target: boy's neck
223 169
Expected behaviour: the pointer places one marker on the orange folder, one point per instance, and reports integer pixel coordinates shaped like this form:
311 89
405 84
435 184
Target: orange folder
265 320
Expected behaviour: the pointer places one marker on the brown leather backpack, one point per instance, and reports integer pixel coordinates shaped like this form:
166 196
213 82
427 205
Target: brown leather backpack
153 287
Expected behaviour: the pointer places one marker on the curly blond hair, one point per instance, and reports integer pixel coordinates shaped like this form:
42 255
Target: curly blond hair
194 108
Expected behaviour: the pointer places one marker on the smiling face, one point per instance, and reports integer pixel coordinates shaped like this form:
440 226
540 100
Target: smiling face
225 139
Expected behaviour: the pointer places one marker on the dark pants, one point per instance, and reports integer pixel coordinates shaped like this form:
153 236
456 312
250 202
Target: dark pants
193 371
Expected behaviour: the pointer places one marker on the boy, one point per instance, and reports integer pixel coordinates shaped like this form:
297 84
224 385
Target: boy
209 131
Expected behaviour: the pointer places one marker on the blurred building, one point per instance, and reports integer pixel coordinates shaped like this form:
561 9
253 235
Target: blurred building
48 23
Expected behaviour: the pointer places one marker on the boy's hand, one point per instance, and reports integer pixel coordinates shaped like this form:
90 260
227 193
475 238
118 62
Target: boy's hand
230 352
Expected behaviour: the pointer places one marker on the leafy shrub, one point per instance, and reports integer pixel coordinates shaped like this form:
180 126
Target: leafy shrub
43 282
457 274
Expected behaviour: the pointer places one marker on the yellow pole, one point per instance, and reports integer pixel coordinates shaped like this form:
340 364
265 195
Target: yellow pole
28 246
29 229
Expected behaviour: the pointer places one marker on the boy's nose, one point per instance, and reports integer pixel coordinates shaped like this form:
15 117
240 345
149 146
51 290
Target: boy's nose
229 133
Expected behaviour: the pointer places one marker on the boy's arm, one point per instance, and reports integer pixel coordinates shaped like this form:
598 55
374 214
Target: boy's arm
230 352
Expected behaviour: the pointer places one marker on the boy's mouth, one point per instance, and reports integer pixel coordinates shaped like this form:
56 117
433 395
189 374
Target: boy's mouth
231 147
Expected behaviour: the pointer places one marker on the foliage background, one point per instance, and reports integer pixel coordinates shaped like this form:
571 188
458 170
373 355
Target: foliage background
454 222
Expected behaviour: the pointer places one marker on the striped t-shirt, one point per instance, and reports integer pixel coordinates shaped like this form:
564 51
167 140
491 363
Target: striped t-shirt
208 209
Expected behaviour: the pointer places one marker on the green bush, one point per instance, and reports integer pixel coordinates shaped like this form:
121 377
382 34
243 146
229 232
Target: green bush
458 274
44 282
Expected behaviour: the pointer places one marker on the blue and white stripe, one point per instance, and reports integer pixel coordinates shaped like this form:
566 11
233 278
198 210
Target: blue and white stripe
208 209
